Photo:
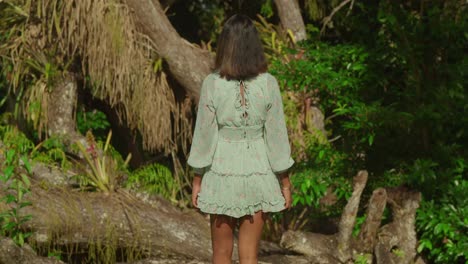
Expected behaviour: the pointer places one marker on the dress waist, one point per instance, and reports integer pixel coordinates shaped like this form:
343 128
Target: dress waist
246 133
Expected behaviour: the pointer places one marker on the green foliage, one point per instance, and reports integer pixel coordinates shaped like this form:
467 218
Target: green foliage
363 259
360 219
337 71
310 188
15 173
156 179
51 151
443 223
56 254
95 120
267 9
393 90
209 15
336 76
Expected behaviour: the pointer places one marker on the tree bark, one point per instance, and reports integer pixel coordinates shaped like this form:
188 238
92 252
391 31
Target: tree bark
318 247
187 63
61 113
368 234
348 217
291 18
395 243
153 228
10 253
61 108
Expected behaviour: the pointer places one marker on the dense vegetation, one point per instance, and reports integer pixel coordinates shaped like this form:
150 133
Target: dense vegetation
389 76
393 87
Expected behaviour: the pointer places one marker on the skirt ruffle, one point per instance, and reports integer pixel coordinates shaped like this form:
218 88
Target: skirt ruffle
237 195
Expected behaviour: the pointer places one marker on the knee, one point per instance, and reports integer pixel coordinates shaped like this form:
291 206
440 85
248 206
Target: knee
222 256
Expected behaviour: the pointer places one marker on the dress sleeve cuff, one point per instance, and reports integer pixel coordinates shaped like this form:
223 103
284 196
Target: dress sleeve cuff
199 171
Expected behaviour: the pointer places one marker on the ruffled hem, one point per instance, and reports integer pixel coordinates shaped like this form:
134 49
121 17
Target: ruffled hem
239 211
240 194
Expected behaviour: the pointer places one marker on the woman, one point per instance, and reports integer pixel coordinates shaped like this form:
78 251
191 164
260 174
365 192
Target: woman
240 150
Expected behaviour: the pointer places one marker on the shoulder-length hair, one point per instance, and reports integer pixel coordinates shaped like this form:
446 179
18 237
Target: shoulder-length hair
239 53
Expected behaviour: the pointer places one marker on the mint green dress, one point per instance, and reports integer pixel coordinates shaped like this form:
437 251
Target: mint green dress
239 149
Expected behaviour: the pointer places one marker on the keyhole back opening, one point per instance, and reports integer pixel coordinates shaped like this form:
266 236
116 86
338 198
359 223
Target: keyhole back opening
242 87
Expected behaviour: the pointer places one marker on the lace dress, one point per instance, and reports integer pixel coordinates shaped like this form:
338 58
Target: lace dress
238 147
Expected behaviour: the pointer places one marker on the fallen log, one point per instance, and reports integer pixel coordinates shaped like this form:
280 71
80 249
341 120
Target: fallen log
118 221
145 227
334 248
10 253
394 243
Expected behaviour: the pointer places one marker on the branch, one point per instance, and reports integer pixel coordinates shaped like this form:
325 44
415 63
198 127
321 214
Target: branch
348 217
370 227
188 63
328 18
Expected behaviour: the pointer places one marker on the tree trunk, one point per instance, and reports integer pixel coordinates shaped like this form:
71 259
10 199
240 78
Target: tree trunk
61 108
187 63
61 113
291 18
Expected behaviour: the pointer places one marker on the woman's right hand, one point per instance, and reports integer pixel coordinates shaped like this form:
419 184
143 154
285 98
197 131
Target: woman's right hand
287 197
196 188
286 189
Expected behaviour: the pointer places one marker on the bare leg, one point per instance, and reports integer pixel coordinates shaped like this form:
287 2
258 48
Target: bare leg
250 231
222 227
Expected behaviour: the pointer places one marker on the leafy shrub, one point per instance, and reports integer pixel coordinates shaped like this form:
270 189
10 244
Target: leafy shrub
51 151
156 179
442 223
310 187
95 120
15 173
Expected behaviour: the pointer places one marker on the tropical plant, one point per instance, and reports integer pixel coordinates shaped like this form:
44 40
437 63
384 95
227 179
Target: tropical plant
101 168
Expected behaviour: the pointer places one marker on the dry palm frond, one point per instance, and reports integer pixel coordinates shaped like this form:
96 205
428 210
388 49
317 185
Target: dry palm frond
120 63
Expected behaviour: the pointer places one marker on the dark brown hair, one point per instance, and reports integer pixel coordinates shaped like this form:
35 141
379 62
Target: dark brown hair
239 53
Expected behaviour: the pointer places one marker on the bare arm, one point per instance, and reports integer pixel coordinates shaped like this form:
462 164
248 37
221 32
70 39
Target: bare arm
284 180
196 179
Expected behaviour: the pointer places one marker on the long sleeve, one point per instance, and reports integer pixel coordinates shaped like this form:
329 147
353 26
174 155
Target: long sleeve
205 135
276 134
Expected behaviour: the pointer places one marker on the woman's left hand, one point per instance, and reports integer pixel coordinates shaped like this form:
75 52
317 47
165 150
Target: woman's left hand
195 190
196 187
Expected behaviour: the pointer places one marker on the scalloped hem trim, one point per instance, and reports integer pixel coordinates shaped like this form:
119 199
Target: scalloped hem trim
239 211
